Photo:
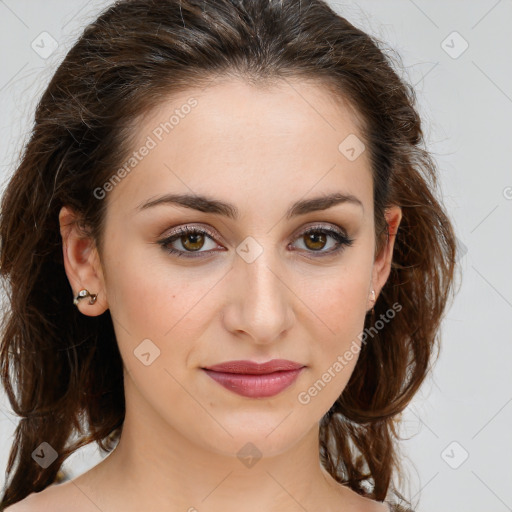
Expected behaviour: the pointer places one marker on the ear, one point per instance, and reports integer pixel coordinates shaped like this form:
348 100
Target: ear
382 264
82 263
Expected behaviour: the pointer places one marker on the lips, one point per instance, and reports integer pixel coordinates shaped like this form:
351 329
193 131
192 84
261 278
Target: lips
253 368
255 380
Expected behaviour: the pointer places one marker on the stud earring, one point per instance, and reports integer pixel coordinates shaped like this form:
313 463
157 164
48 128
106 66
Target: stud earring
85 293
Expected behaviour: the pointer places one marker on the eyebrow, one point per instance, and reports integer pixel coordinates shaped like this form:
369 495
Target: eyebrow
215 206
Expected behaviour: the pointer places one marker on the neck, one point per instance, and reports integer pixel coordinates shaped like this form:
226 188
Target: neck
155 467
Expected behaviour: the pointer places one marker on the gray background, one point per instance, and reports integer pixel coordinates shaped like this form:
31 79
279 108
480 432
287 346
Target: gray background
458 444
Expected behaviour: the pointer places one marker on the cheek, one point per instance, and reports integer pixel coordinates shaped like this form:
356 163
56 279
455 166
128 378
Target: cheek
161 303
343 311
338 310
151 297
336 349
340 305
339 298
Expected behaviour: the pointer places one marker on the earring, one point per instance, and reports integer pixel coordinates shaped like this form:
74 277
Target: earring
85 293
374 300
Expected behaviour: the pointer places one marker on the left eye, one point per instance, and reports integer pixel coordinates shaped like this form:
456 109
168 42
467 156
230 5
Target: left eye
193 240
315 239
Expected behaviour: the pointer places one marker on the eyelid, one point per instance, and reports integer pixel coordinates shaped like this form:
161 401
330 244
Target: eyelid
342 241
339 234
320 226
184 229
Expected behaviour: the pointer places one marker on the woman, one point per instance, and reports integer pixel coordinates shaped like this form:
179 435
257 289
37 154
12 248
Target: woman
225 259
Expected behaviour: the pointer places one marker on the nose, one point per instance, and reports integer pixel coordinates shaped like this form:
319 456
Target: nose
260 304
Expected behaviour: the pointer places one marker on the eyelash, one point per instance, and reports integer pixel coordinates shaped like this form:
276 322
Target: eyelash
341 239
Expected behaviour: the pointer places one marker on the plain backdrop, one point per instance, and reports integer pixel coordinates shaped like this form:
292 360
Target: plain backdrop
457 450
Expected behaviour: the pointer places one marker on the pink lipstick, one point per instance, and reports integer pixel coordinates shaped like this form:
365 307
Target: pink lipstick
254 380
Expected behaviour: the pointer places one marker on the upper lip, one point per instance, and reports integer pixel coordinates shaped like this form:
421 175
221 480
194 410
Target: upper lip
251 367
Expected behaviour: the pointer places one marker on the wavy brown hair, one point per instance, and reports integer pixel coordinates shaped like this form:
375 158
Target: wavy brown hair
62 371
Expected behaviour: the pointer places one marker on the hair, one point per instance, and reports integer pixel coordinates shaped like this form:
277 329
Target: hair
62 370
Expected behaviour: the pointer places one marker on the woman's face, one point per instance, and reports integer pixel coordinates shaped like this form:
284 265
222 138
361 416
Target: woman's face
246 283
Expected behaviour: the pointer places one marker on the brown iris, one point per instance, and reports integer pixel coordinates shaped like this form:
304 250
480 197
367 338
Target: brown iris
317 240
196 241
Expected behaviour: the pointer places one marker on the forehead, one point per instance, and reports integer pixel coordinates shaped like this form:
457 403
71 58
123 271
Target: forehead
241 139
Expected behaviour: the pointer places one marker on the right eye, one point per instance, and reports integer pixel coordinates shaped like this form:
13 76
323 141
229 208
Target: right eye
192 239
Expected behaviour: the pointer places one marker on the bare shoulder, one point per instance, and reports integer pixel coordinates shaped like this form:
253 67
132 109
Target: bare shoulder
32 503
355 502
375 506
55 498
87 492
364 504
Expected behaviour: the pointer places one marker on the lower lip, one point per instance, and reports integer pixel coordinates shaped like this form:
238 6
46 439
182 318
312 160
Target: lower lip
255 386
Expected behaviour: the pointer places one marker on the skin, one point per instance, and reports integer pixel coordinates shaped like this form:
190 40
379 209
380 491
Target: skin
261 150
